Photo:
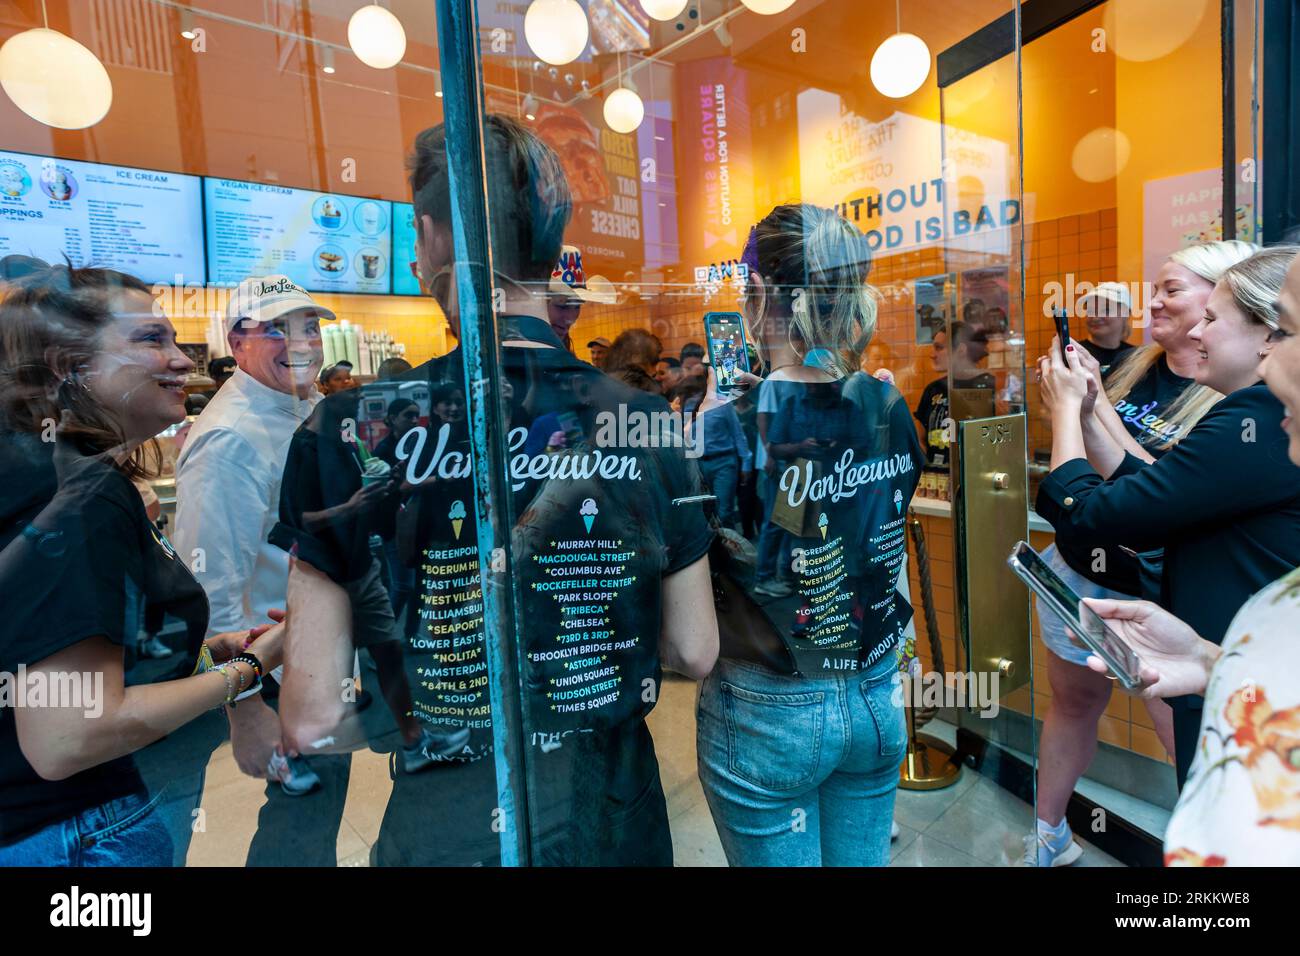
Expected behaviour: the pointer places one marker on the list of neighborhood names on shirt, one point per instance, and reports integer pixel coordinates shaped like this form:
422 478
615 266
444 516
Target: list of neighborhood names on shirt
827 608
452 663
584 576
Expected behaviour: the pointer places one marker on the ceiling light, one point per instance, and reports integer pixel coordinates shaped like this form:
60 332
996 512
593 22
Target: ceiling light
900 65
187 24
327 60
623 110
54 79
768 7
556 30
377 37
663 9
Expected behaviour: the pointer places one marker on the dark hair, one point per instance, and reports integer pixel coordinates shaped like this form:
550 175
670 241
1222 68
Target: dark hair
528 195
328 371
392 367
963 333
397 406
445 390
634 348
692 350
50 322
670 361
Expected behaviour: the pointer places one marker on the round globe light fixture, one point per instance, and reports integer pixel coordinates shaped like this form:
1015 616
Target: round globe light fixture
377 37
1100 154
623 110
663 9
768 7
54 79
900 65
556 30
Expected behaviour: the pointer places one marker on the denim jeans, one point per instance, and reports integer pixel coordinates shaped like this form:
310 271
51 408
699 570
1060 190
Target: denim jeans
128 831
722 474
801 771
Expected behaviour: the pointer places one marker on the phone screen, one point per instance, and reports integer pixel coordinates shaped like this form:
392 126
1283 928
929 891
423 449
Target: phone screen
1078 616
725 334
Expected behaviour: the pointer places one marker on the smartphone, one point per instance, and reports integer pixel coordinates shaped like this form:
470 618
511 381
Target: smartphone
725 334
1077 616
1062 320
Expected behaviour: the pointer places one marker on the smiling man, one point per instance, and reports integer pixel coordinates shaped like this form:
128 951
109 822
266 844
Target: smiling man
228 481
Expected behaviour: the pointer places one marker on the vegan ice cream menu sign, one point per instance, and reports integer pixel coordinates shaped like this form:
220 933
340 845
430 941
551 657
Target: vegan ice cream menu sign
322 241
140 221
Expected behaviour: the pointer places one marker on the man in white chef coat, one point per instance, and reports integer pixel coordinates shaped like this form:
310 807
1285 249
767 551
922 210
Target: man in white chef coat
228 484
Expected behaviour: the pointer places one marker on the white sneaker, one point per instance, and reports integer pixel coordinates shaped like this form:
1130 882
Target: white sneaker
895 832
773 589
1048 850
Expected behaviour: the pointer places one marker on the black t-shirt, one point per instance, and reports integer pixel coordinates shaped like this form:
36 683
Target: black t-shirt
1106 357
847 463
594 531
1144 408
88 562
1143 412
932 413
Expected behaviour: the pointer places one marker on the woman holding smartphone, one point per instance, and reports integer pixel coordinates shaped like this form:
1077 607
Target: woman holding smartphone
1224 503
1241 803
88 361
1151 401
800 726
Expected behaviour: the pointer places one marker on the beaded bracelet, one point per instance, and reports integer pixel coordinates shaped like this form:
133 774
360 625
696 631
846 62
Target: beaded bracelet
223 669
252 661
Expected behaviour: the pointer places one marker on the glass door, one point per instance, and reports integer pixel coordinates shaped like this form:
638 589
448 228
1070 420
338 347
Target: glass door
672 194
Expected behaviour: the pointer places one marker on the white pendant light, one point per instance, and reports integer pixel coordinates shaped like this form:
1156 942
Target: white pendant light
663 9
768 7
624 110
377 37
54 79
556 30
901 64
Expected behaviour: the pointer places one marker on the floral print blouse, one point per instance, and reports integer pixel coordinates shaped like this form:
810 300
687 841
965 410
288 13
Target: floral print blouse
1241 805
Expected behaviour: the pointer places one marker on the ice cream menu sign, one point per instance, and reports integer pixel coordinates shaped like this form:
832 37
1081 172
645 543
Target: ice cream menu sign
322 241
139 221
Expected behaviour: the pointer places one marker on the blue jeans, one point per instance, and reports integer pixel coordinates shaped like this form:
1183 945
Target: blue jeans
801 771
128 831
722 474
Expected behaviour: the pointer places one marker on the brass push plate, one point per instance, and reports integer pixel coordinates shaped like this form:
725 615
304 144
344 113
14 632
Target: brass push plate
991 508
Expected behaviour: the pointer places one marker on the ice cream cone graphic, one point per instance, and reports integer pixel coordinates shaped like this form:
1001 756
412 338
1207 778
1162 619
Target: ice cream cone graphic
589 512
822 522
898 501
457 516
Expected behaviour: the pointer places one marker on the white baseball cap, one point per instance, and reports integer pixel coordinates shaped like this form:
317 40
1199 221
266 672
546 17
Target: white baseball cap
268 298
1114 292
569 281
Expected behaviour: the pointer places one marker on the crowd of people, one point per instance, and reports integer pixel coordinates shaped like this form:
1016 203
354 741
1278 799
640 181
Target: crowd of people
325 527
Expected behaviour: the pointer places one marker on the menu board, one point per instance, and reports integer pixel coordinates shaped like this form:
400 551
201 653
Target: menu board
322 241
404 280
146 223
